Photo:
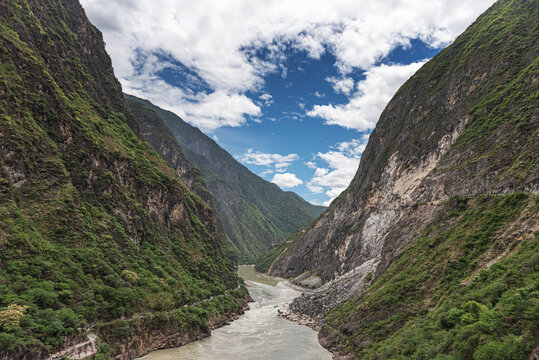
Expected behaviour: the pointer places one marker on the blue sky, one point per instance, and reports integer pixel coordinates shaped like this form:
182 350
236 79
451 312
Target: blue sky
290 88
284 128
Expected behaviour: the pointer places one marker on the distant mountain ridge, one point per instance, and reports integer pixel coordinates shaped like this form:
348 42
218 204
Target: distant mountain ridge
255 213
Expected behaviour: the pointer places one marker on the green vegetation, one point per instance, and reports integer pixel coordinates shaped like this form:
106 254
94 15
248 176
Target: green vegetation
466 288
255 213
265 261
163 141
184 320
94 224
441 300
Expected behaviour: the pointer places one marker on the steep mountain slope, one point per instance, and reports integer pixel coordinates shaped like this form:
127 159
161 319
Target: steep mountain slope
255 213
446 187
163 141
95 228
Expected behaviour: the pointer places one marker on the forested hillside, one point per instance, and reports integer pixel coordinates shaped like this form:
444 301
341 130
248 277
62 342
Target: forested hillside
95 228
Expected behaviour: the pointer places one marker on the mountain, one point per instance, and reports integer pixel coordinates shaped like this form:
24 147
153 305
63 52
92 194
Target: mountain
255 213
159 136
431 252
156 132
104 250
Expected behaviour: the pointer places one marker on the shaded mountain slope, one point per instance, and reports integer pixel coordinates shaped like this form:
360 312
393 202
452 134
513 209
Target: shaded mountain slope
255 213
431 252
163 141
95 228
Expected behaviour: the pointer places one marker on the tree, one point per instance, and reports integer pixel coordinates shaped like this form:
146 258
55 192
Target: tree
11 316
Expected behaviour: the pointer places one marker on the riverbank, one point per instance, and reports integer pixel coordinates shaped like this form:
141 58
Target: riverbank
125 339
249 273
259 334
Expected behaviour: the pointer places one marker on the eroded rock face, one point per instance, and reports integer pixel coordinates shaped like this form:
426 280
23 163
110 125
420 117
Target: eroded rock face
356 225
429 145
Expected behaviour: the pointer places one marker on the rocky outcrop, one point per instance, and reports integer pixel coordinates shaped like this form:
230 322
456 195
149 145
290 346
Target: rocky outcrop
168 335
148 337
310 308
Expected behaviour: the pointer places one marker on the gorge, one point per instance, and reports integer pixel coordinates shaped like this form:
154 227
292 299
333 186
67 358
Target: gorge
125 232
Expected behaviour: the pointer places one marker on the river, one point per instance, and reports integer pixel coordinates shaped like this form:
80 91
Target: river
257 335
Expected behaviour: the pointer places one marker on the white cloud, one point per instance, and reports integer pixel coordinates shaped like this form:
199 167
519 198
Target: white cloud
373 94
211 111
266 98
286 180
266 172
343 86
315 189
342 163
212 40
278 161
354 147
311 164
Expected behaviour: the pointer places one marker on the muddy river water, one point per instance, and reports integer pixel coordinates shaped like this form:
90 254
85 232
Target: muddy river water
259 334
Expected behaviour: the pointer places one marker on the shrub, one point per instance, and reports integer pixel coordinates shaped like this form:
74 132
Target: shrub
130 276
44 298
452 318
510 348
11 316
104 352
7 341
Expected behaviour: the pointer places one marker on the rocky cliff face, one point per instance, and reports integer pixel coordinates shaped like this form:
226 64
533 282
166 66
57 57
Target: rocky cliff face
423 216
255 213
94 225
464 124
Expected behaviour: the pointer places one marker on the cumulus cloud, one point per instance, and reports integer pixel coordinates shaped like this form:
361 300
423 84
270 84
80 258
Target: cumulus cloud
334 180
343 86
342 163
278 161
286 180
373 94
219 46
